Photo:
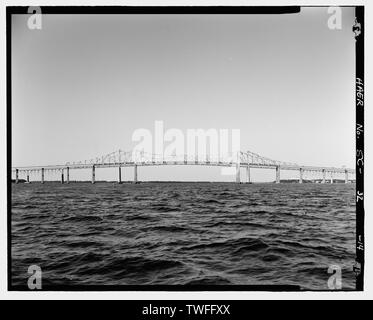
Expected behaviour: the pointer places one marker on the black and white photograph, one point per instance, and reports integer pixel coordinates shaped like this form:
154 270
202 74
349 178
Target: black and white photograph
185 148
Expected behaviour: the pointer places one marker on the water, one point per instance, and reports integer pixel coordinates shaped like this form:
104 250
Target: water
183 233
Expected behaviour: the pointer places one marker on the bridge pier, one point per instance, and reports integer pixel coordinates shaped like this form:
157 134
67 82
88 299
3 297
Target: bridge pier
277 174
67 175
323 176
28 177
331 177
135 174
17 176
62 177
93 174
301 175
248 173
238 173
346 176
119 174
42 175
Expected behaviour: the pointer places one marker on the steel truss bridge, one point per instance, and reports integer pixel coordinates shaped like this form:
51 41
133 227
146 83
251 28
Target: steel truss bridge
238 161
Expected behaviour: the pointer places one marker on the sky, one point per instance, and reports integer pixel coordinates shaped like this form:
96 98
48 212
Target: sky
84 83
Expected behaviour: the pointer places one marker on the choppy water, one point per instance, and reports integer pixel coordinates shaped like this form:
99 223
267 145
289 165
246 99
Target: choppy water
183 233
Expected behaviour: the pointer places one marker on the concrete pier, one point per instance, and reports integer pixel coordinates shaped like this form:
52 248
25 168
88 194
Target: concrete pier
277 174
93 174
42 175
248 173
62 177
323 176
28 176
17 178
301 175
67 175
135 174
346 176
238 173
331 177
119 174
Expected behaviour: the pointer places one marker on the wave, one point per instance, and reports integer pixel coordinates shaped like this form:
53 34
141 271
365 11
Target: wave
86 218
169 228
208 280
233 245
163 208
136 265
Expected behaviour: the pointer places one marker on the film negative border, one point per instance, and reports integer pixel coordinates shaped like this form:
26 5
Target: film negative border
357 29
